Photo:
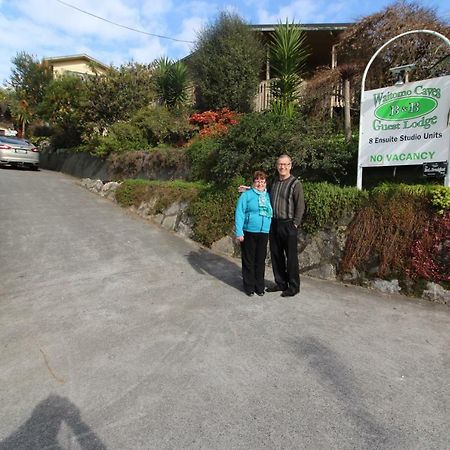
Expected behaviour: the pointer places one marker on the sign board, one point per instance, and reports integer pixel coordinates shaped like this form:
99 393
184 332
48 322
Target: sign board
435 169
405 125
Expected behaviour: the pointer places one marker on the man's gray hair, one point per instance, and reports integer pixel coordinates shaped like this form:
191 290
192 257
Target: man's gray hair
284 156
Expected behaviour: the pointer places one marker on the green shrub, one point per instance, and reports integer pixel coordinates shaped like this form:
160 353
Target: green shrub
160 125
134 192
440 198
327 203
213 212
318 153
152 126
254 143
202 157
321 153
391 190
122 137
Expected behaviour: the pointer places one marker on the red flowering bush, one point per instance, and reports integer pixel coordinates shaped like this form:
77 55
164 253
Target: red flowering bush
214 123
430 255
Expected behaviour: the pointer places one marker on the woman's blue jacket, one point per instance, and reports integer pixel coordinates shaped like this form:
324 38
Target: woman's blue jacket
248 217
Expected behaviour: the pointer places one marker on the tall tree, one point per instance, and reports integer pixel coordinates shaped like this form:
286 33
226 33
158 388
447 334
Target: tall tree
29 81
62 106
29 78
116 96
226 64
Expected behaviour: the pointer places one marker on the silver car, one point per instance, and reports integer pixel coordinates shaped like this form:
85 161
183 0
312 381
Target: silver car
18 152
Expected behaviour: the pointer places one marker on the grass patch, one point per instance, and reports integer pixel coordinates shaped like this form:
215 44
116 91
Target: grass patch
134 192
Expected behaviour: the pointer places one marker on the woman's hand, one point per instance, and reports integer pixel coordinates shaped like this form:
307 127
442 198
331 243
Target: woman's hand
240 238
242 188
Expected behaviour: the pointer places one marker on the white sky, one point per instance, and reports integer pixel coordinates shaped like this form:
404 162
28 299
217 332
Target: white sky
46 28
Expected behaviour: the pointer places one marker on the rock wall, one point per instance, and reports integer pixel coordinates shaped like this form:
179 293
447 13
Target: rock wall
80 165
319 254
83 165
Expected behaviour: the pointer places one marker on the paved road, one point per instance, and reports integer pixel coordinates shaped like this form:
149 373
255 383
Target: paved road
116 334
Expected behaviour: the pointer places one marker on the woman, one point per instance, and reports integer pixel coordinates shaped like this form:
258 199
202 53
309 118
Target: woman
252 224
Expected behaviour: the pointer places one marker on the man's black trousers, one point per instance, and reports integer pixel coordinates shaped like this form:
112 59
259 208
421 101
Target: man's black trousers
284 255
253 252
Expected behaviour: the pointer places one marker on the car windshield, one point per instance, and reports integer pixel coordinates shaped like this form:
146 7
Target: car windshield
13 140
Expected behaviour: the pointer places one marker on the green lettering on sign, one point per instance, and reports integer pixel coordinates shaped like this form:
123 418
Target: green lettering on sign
406 108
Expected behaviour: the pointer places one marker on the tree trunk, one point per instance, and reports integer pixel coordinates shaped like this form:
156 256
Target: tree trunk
347 116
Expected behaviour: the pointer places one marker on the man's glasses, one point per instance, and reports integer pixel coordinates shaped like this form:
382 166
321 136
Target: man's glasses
284 165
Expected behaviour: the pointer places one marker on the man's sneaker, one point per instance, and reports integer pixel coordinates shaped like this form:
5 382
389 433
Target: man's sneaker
260 294
250 294
275 288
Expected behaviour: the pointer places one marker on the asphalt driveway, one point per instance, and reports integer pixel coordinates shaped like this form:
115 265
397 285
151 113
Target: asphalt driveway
116 334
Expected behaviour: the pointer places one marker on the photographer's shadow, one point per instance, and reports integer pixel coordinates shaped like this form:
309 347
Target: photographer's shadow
41 430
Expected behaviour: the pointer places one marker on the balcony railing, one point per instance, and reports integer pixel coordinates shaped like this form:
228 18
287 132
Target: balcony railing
264 96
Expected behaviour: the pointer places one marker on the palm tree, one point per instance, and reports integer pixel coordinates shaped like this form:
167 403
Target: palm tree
288 56
22 113
171 81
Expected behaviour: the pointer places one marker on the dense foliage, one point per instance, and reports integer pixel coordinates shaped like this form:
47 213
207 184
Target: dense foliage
430 253
327 204
62 106
226 63
115 97
399 231
213 212
202 157
150 127
29 78
255 142
28 82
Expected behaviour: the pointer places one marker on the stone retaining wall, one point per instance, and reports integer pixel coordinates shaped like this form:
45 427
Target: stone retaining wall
84 165
80 165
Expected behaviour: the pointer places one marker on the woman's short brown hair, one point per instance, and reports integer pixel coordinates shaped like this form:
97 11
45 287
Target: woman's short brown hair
259 175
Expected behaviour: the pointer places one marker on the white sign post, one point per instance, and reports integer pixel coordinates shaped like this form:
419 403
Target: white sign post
407 124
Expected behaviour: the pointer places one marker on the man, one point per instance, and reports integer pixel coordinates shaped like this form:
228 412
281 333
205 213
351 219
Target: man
288 204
